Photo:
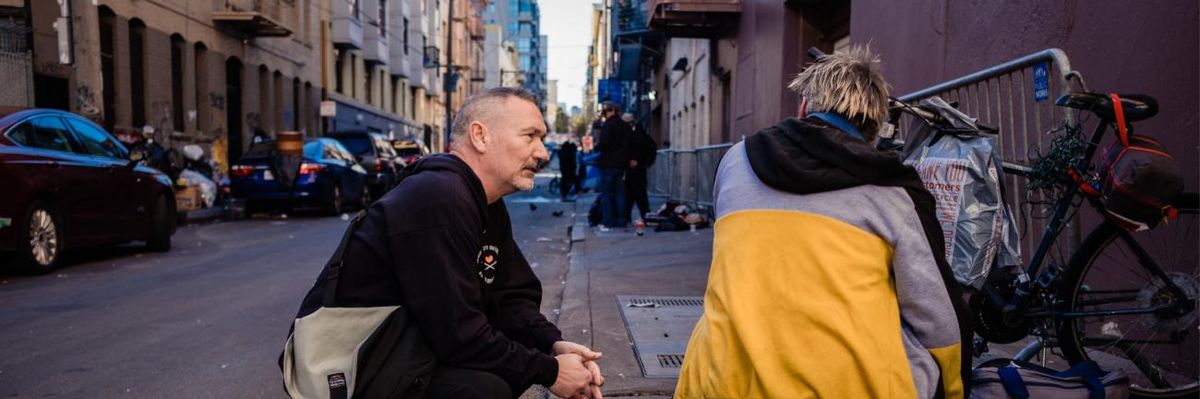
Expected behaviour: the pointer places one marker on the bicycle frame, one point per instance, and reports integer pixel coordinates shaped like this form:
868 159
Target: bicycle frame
1061 208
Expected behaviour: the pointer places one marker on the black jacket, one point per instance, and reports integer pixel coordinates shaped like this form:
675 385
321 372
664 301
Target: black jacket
644 150
615 145
434 244
566 158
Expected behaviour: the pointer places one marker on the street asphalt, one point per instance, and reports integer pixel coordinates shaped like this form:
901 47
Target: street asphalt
207 319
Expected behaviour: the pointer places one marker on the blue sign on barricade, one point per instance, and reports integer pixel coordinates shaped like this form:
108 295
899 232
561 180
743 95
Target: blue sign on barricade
1041 82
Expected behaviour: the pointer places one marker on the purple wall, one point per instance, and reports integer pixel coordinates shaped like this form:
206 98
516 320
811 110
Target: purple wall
1148 47
768 55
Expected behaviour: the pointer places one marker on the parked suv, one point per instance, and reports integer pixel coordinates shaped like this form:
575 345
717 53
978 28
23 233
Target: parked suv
374 152
410 151
66 183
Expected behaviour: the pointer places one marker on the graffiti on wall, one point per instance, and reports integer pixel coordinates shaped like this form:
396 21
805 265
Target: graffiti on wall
85 99
253 121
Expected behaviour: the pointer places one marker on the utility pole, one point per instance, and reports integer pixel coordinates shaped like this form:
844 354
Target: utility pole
448 79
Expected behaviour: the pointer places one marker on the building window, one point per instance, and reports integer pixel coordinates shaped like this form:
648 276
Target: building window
338 68
264 97
107 66
382 18
310 117
370 85
201 71
406 36
297 112
278 110
395 95
353 76
354 9
177 44
137 71
306 22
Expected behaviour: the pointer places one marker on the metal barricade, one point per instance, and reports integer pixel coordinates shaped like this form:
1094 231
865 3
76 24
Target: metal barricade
1007 96
687 176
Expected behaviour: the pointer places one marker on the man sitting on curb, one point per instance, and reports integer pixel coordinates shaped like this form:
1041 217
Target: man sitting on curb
828 277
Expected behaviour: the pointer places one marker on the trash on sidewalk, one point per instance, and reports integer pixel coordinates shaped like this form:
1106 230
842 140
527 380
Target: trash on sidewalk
197 191
674 216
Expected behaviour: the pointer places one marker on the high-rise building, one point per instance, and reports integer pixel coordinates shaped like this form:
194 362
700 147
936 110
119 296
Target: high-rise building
521 21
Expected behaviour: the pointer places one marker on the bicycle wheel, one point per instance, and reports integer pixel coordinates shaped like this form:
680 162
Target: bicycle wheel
1157 350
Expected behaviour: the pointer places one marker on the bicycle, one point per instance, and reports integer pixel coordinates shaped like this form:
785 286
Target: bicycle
1119 299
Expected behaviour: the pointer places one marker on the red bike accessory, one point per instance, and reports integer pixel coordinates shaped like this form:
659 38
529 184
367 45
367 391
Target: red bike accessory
1119 111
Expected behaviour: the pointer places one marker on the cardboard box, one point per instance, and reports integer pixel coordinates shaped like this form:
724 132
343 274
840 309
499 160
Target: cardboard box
188 199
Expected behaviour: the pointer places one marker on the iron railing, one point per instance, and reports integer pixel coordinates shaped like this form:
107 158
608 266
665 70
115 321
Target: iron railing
1001 96
1004 96
686 175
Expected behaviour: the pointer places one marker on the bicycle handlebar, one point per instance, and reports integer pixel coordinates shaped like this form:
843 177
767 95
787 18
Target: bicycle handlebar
933 117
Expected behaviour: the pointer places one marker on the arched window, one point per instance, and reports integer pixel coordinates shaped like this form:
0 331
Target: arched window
201 72
108 20
137 71
178 45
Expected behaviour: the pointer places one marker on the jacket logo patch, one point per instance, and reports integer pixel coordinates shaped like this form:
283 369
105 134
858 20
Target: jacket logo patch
487 259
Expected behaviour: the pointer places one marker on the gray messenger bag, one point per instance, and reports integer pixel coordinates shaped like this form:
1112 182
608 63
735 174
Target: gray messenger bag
354 352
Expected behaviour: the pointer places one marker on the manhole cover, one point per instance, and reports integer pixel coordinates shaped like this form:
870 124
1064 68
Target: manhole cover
659 327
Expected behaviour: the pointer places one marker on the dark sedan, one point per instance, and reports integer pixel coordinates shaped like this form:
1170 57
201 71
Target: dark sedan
67 183
375 153
327 176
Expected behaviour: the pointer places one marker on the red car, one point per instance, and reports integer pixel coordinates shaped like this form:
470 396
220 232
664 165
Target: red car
66 183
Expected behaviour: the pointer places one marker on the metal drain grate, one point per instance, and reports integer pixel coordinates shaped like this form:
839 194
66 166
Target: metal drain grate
655 302
659 327
671 361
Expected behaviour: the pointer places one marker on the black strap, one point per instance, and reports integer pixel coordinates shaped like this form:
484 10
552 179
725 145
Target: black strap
333 269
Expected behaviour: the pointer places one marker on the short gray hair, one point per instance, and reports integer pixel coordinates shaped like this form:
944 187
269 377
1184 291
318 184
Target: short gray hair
849 83
480 106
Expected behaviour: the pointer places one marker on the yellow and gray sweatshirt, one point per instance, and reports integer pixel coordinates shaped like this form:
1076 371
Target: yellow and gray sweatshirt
827 277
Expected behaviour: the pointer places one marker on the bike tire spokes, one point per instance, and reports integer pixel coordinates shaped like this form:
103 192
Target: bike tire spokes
1127 317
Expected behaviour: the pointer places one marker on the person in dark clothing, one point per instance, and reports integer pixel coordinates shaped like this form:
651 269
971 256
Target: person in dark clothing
615 158
566 165
644 151
441 244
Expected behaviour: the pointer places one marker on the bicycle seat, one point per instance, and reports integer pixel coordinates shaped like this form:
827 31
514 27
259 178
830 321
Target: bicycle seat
1136 106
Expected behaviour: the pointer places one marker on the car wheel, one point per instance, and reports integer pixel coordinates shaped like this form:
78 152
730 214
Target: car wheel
158 236
334 206
40 246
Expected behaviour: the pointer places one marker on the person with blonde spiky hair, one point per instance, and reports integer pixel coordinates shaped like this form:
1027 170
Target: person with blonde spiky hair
828 277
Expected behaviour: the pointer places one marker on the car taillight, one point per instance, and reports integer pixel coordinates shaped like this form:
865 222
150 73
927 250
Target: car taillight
242 170
311 168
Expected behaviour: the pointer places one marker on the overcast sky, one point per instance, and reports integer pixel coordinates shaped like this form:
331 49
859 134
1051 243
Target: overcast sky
568 24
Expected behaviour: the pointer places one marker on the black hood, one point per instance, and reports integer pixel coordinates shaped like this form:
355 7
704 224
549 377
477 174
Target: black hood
453 164
806 156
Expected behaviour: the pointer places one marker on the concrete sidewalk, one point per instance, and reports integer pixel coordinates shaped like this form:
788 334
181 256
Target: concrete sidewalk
605 265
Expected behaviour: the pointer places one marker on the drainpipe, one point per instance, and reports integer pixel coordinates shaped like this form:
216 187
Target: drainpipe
449 68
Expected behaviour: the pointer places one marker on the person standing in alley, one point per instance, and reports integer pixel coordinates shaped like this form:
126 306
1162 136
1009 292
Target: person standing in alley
816 225
644 151
441 244
615 157
566 166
